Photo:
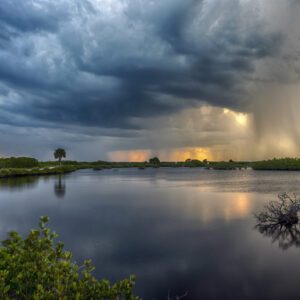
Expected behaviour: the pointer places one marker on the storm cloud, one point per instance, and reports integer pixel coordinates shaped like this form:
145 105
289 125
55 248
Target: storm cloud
105 68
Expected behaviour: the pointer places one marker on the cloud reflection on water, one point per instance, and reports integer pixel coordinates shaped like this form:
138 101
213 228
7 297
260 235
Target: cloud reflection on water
169 227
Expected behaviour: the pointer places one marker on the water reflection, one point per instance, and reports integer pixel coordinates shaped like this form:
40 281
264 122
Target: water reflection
60 187
18 183
233 206
280 221
284 235
238 207
176 235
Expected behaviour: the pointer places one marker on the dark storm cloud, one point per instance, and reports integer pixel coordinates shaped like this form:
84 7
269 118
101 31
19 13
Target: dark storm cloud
102 63
31 15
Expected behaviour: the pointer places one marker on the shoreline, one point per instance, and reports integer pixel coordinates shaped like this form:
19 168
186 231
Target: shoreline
24 166
22 172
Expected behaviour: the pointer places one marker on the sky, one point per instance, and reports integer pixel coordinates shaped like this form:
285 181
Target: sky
125 80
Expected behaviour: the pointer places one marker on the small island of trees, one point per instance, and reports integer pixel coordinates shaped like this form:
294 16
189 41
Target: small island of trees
154 160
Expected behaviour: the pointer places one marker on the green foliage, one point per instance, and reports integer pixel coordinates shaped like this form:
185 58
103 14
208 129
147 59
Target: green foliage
228 165
37 268
194 163
5 173
154 160
18 162
59 153
18 182
288 164
54 163
50 167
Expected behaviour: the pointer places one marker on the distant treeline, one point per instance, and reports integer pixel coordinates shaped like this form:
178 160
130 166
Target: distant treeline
288 164
98 165
18 172
229 165
272 164
18 162
28 166
47 166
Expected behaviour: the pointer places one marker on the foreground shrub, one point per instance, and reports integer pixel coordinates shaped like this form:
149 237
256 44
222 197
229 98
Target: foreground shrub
36 268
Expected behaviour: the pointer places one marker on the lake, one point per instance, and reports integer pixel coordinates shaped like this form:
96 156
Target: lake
179 230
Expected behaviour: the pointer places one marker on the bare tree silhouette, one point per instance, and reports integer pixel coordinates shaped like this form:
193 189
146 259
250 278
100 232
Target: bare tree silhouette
280 221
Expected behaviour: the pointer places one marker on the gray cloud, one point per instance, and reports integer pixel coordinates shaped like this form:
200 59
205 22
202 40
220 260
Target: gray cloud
102 64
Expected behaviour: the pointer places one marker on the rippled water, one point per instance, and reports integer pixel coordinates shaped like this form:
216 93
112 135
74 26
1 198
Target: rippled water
178 230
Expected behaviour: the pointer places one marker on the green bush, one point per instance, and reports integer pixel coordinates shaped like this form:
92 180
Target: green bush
15 172
228 165
37 268
154 161
288 164
18 162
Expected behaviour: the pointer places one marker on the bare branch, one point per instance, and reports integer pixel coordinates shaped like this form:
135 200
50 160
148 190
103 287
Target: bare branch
279 220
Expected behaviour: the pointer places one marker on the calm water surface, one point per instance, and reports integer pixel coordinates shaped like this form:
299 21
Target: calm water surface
178 230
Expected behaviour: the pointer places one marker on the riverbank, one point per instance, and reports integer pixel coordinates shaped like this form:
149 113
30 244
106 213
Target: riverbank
23 166
283 164
17 172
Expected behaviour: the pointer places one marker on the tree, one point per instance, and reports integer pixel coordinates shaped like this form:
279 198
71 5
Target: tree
279 220
154 160
59 153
